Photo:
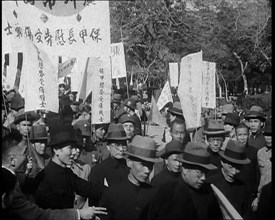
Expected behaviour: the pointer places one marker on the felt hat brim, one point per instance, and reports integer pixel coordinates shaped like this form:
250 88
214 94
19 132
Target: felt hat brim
245 161
168 153
154 160
207 166
215 132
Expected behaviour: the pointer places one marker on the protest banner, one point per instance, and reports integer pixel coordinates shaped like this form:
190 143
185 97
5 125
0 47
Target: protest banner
101 91
165 96
118 60
228 211
208 85
155 116
189 90
41 82
174 74
65 68
84 33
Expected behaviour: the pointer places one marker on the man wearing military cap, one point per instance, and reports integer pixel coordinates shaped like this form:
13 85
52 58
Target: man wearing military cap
130 198
128 123
189 197
256 119
117 107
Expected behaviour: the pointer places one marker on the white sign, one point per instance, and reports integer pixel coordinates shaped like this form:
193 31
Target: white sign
208 85
118 60
174 74
85 33
41 82
165 96
101 91
189 90
65 68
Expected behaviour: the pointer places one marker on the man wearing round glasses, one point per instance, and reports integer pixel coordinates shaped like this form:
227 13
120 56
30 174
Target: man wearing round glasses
113 169
214 136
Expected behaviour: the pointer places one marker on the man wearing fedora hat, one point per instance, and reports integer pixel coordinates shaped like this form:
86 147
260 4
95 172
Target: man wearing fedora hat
256 119
190 197
113 169
215 135
264 161
227 180
130 198
59 184
14 203
172 167
129 108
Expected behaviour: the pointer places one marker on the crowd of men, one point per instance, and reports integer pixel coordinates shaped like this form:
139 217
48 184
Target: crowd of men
61 166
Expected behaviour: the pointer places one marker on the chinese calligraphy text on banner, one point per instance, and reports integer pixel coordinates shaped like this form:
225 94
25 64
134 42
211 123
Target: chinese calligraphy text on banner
174 74
84 34
101 92
118 60
189 90
41 82
209 85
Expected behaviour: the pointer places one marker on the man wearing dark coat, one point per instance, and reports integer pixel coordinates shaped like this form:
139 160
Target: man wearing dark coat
58 183
130 198
172 170
189 197
113 169
227 179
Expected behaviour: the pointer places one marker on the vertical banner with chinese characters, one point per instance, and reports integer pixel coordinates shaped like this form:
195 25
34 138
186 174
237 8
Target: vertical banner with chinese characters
84 32
165 96
118 61
174 74
101 91
41 82
208 85
189 90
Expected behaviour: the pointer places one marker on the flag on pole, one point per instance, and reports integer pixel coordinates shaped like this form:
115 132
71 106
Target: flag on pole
165 96
65 68
118 60
155 116
86 83
228 211
189 90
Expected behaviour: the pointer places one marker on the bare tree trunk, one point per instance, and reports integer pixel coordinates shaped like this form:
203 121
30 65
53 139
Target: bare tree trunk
243 67
225 85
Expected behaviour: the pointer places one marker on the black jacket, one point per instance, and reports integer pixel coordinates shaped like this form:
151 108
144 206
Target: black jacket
164 176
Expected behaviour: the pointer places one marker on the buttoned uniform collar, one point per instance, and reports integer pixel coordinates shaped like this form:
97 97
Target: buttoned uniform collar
9 169
256 134
116 163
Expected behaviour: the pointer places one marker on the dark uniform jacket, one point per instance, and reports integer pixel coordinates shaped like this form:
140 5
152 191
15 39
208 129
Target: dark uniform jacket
177 200
127 201
110 171
236 192
165 176
58 187
215 159
257 140
137 124
22 209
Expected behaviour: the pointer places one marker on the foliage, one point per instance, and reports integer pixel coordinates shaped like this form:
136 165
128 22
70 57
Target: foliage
155 33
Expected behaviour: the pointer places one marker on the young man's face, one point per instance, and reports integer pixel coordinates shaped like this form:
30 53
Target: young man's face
140 169
242 135
173 164
193 177
215 142
40 147
230 171
129 129
255 124
66 155
178 132
117 148
24 127
99 133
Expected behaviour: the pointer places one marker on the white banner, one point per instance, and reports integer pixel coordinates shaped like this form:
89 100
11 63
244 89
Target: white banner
165 96
65 68
101 92
208 85
41 82
85 32
228 211
118 60
174 74
189 90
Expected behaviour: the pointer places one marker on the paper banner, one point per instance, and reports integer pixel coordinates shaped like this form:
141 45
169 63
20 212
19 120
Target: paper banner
118 60
65 68
189 90
208 85
165 96
174 74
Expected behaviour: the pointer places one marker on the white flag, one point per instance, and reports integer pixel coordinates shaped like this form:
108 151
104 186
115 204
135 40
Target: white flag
208 85
118 60
41 84
174 74
65 68
165 96
189 90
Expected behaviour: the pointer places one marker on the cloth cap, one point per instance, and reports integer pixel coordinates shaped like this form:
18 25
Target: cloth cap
235 152
117 98
195 153
143 148
232 119
126 118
